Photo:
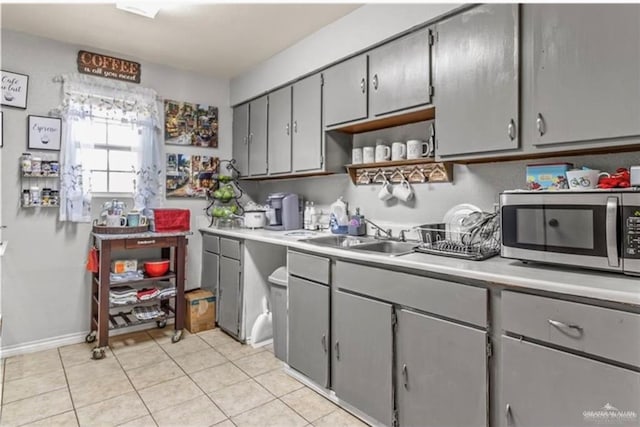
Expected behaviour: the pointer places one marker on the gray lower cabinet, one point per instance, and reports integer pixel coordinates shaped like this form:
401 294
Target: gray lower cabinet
230 295
476 81
345 91
241 138
586 72
546 387
400 74
258 113
362 354
309 329
441 372
280 130
209 276
279 309
307 150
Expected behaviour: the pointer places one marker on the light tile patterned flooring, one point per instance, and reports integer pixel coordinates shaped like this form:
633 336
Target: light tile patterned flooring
205 379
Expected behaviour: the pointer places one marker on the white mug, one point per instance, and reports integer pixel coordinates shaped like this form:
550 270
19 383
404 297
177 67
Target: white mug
398 151
356 156
417 149
403 191
116 220
383 153
368 154
386 192
582 179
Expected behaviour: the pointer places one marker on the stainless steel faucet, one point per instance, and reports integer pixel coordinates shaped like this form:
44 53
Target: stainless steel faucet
379 230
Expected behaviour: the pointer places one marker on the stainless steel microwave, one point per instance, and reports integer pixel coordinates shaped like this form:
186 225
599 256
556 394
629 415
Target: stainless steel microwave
597 229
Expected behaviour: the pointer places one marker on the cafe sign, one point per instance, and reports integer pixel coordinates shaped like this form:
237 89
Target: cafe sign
107 66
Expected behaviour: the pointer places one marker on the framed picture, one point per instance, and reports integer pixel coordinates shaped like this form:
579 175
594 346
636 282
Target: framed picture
190 176
44 133
1 129
190 124
14 89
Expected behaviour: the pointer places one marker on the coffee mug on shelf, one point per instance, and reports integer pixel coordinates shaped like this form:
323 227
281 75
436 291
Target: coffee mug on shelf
398 151
383 153
403 191
356 156
417 149
368 154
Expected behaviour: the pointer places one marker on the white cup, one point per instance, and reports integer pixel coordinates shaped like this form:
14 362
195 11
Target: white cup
403 191
417 149
584 179
383 153
398 151
115 220
356 156
386 192
368 154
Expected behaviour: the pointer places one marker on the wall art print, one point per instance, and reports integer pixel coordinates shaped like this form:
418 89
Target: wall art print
190 176
190 124
14 89
44 133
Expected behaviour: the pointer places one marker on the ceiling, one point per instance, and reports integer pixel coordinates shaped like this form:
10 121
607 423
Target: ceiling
221 40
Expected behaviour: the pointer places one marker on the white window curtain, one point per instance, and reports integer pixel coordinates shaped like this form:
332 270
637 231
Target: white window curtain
87 97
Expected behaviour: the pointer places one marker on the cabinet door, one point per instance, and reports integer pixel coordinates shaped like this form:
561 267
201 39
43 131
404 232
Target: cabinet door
586 60
307 124
280 322
362 356
546 387
440 362
241 138
209 275
476 81
400 74
230 296
258 136
309 329
280 130
345 91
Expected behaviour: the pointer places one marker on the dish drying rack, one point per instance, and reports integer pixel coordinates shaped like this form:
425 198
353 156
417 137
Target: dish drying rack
475 242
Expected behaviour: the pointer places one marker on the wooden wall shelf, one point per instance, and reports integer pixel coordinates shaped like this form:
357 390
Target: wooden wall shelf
415 115
282 177
415 171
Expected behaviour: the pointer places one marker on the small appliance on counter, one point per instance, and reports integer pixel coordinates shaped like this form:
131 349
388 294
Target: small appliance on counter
285 211
255 216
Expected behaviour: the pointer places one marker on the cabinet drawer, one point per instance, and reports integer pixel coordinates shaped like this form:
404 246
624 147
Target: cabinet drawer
604 332
211 243
441 297
230 248
150 242
309 267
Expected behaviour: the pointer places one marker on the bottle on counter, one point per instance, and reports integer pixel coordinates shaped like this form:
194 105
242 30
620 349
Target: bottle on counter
306 217
313 218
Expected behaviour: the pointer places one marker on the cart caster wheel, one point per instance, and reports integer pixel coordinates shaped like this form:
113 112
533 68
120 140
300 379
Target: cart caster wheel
91 337
161 323
97 353
176 337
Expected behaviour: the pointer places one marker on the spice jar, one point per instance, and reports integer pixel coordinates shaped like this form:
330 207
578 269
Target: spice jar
26 198
55 167
46 197
35 195
46 167
36 165
55 198
25 162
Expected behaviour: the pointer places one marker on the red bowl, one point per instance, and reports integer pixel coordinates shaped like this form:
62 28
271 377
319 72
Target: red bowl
156 268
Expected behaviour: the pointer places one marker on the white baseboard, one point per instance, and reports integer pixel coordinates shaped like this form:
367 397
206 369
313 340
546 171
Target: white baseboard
39 345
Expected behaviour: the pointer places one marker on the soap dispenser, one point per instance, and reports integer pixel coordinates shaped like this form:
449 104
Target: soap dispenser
357 225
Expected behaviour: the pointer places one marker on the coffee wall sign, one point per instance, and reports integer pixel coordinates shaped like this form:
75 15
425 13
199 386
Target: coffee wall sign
44 133
14 89
107 66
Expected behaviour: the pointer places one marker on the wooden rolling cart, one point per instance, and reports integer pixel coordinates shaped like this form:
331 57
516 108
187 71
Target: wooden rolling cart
102 318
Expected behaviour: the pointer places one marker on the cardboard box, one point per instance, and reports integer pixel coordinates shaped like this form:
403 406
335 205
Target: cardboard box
548 176
201 311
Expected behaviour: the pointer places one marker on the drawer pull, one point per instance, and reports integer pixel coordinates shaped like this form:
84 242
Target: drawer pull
324 342
145 242
508 415
562 325
337 348
405 377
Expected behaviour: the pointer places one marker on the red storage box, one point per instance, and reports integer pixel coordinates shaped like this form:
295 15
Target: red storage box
164 220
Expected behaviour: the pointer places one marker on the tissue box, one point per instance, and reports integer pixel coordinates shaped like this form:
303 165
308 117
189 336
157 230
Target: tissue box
549 176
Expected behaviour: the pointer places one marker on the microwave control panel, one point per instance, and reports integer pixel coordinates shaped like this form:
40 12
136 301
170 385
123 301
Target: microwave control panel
631 231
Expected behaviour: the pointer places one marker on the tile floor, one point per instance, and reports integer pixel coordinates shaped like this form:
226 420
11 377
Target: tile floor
204 380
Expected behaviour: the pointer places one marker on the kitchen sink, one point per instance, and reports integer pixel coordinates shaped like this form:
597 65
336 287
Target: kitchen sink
339 241
390 247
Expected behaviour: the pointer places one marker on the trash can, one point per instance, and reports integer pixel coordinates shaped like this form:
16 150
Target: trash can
279 282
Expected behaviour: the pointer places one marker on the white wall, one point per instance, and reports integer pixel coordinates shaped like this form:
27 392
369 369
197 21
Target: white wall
365 26
46 290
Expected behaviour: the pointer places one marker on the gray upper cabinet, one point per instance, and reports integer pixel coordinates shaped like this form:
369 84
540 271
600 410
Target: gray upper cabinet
476 81
307 124
586 72
241 138
258 113
362 355
546 387
230 295
345 91
280 131
400 74
439 362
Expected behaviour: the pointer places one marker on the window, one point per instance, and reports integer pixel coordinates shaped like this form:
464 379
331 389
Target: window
108 152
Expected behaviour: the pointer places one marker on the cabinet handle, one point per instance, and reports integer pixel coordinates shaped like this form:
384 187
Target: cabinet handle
540 125
295 126
362 85
287 128
511 129
250 137
245 140
337 348
405 377
562 325
507 414
145 242
375 81
324 342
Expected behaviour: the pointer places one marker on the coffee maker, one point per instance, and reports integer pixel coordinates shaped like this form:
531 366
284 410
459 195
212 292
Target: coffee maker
285 211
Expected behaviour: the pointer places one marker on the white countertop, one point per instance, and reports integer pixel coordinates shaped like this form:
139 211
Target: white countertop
611 287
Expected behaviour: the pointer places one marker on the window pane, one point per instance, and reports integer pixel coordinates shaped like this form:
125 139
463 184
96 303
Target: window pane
122 135
121 182
122 160
99 182
94 159
90 131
